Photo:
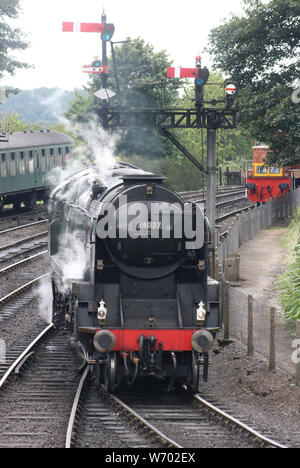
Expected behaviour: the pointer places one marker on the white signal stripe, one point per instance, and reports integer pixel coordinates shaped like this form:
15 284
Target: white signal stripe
177 72
77 27
101 69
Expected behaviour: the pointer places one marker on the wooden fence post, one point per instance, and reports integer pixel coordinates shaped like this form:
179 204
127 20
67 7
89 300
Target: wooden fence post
250 326
272 352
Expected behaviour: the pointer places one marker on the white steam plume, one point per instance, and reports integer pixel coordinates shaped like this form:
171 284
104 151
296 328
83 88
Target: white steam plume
45 299
98 147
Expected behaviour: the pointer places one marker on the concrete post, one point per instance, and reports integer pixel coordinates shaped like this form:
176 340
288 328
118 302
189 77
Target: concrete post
250 326
226 310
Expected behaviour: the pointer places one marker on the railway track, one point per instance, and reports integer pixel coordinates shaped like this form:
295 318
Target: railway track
16 218
34 410
13 302
22 249
193 421
173 421
94 411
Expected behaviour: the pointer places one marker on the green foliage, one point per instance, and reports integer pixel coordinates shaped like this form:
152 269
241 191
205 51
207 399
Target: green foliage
260 51
12 123
11 39
289 282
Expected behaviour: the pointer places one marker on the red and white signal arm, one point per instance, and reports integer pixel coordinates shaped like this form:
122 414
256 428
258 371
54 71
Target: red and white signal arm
178 72
95 70
231 89
83 27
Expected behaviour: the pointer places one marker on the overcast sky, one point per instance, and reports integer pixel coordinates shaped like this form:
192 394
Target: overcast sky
180 27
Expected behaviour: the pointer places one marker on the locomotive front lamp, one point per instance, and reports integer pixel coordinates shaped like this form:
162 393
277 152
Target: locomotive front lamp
102 313
201 314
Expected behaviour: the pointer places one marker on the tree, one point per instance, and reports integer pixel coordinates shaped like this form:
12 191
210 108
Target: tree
142 81
11 39
12 123
260 51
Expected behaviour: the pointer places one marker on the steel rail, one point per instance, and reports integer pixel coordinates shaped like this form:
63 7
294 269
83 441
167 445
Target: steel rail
17 228
23 241
234 213
22 262
9 296
74 411
140 419
188 195
225 416
24 354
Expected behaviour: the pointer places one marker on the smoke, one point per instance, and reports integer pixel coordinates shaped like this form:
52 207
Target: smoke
71 260
45 299
54 103
96 147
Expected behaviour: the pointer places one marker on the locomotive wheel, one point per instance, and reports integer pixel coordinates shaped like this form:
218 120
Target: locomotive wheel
194 373
110 374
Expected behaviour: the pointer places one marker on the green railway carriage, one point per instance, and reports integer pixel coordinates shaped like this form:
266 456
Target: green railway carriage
26 158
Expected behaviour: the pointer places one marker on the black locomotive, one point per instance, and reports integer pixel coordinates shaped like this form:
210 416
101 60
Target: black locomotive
127 279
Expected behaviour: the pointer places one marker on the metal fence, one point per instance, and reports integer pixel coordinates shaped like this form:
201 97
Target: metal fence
246 225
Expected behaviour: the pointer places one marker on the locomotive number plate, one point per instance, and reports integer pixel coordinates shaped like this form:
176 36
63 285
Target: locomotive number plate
149 225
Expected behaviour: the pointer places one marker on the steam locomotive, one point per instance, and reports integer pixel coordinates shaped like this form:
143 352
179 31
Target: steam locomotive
128 279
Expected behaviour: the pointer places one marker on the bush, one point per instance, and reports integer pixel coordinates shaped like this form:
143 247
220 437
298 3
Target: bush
289 281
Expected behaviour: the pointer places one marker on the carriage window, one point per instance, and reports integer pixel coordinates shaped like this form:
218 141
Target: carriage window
31 163
59 158
3 165
13 164
43 161
274 170
51 158
22 169
261 170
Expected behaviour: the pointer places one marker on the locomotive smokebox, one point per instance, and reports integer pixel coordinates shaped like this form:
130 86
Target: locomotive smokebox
104 341
202 341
